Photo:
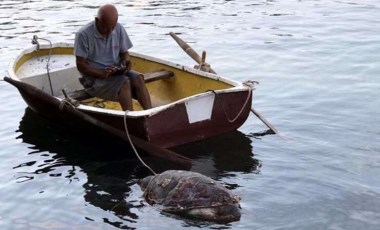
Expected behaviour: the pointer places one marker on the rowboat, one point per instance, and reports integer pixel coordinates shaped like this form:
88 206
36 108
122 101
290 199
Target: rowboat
188 104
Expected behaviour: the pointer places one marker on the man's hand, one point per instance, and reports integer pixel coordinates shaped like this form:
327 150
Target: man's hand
125 66
126 61
128 65
108 71
116 70
85 68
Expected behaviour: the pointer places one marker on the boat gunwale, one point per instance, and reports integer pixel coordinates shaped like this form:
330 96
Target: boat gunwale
158 109
236 85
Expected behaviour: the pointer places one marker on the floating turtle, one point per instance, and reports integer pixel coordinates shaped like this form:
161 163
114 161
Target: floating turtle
191 194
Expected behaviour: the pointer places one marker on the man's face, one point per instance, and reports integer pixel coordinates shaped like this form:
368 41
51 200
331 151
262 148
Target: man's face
105 27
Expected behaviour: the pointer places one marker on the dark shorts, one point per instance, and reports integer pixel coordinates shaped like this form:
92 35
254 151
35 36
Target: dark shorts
106 88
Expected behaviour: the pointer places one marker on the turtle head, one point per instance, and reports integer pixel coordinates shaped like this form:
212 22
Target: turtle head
219 214
143 183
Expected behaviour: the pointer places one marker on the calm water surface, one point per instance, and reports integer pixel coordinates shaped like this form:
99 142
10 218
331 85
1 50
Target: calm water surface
318 65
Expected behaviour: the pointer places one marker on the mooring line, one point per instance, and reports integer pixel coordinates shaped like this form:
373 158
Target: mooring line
133 146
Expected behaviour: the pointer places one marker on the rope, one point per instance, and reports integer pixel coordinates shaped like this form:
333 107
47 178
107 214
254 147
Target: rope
250 85
73 103
68 101
35 41
47 66
133 147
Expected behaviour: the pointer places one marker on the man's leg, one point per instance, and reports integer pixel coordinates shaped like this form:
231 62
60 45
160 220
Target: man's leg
125 96
141 91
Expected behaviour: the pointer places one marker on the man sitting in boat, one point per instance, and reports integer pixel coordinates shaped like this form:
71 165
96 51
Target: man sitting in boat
101 50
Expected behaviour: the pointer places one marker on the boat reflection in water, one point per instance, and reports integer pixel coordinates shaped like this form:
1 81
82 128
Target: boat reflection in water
111 168
222 155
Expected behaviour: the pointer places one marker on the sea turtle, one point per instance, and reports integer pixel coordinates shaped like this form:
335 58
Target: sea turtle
191 194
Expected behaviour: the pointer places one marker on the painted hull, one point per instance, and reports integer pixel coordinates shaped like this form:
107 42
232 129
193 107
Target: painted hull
172 127
180 115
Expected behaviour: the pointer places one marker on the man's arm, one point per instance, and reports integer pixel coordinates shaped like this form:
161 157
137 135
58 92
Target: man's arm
86 69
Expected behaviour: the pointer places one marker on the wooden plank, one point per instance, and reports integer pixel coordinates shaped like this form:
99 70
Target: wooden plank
158 75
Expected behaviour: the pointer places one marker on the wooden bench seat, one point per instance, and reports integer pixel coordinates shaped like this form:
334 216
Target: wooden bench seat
158 75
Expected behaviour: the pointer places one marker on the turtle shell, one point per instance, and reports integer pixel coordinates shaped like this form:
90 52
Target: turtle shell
181 191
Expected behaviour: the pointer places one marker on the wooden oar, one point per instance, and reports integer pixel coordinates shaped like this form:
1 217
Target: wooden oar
274 130
194 55
199 60
33 93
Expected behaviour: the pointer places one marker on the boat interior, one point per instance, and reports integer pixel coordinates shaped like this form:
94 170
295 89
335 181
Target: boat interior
54 70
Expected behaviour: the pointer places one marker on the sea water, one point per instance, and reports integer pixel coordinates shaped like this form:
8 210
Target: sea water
318 67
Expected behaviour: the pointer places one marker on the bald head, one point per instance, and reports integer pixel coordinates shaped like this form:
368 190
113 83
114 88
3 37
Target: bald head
106 19
108 13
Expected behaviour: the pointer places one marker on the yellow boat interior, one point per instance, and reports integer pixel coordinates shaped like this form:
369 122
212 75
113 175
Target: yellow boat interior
52 70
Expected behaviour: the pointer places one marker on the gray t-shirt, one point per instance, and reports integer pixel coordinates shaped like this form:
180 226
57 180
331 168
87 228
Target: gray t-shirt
101 52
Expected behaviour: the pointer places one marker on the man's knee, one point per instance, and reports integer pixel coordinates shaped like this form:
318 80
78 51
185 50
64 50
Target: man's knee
125 87
138 80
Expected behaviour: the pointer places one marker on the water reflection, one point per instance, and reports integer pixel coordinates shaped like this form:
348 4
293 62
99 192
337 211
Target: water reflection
231 152
110 167
222 155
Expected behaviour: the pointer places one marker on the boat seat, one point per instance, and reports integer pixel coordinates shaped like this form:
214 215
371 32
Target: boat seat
148 77
158 75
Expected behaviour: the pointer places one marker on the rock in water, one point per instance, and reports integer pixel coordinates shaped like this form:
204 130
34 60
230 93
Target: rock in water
191 194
